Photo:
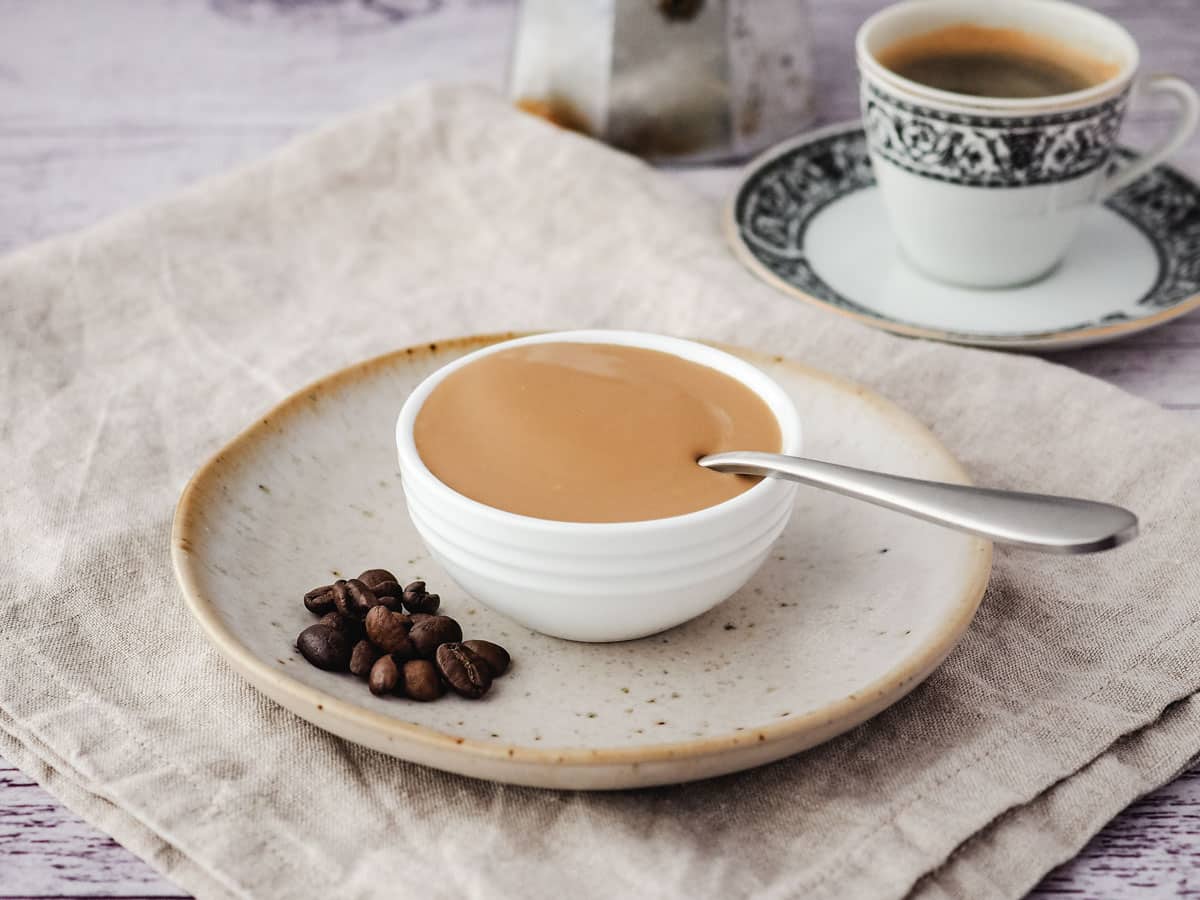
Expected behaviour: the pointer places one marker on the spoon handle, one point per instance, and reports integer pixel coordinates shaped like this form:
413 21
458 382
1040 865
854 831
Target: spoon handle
1036 521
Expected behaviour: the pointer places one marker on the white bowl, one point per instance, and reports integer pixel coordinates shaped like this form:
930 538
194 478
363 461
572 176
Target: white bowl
600 581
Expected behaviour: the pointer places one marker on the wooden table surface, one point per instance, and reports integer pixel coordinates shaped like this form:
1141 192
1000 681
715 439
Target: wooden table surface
109 105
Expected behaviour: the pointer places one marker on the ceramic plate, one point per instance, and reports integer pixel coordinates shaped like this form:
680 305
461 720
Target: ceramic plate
806 217
855 606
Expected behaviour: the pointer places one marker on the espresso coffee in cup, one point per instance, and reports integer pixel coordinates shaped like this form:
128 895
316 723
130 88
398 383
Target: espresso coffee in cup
991 128
994 62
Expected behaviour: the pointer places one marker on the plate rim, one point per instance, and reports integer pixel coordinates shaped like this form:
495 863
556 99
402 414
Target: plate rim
866 702
1056 340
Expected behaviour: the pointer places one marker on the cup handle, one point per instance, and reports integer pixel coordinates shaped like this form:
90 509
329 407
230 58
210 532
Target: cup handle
1189 116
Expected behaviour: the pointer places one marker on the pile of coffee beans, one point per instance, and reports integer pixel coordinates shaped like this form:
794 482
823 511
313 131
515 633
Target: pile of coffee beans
393 637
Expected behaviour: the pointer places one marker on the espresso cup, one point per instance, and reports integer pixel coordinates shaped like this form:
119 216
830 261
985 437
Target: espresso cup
986 191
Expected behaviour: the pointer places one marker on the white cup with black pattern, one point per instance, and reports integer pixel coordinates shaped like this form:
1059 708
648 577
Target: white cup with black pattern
986 191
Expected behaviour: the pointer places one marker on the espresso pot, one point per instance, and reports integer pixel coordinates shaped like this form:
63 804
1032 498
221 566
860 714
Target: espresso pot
668 80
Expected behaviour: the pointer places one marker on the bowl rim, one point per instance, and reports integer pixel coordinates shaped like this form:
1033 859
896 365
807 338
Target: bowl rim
766 389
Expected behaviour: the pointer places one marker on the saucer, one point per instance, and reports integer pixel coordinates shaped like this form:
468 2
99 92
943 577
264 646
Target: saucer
807 218
853 608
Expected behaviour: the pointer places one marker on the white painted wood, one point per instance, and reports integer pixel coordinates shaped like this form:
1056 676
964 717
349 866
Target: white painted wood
104 106
47 851
109 105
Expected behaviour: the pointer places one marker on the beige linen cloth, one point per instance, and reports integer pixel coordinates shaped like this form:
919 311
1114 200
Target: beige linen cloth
132 351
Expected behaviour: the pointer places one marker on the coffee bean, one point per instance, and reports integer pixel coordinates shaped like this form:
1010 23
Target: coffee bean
415 654
421 680
429 634
362 657
416 600
494 655
334 620
426 603
372 578
319 600
388 631
464 670
341 599
361 597
384 676
352 628
385 586
388 589
324 647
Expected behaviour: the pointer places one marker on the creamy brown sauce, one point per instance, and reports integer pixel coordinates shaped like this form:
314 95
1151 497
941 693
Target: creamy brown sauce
590 432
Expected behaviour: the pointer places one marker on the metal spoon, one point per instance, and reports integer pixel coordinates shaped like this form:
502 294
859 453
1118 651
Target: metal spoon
1036 521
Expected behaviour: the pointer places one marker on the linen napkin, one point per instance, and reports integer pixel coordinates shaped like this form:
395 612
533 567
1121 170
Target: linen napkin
132 351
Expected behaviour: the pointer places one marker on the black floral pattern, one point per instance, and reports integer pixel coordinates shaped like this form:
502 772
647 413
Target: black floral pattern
1165 204
982 152
776 202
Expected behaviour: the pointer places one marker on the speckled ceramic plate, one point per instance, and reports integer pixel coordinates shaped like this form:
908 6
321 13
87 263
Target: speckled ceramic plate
807 218
855 606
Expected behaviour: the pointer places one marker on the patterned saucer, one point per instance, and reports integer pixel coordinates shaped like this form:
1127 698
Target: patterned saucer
807 218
